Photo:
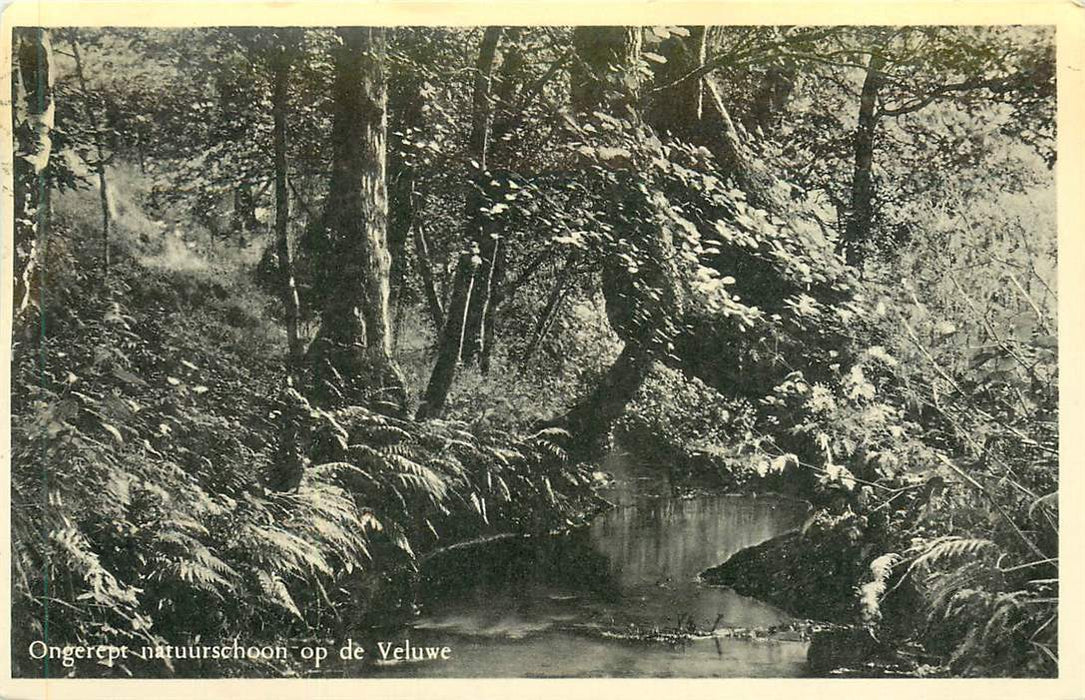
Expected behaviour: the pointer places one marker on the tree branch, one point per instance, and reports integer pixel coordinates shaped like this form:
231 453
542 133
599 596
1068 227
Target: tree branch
943 91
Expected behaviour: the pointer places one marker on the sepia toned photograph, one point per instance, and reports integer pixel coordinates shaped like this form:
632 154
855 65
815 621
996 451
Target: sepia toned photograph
669 351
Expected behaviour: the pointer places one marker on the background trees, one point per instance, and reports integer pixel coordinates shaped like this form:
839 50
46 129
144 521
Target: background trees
819 259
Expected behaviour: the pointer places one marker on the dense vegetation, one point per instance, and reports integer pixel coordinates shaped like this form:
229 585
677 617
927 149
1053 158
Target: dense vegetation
295 307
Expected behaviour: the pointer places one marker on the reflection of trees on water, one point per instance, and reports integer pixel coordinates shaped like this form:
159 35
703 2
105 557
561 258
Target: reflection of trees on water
520 567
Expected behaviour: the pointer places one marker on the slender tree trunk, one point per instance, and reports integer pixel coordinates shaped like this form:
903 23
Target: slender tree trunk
451 342
485 238
495 282
546 318
354 347
281 64
99 147
33 108
482 318
429 285
861 214
482 301
728 146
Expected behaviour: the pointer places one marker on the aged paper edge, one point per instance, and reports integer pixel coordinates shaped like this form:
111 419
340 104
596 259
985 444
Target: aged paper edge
1069 19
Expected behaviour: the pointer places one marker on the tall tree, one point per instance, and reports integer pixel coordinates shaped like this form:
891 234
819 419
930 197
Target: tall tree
477 229
33 111
905 71
353 346
490 275
99 139
861 212
406 109
640 280
282 54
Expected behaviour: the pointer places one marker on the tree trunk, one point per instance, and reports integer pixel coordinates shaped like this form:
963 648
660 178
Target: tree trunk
549 313
509 87
642 305
99 147
482 317
404 202
589 420
33 108
353 347
448 351
451 342
730 150
692 109
491 253
495 281
857 232
482 233
605 78
281 64
429 285
679 106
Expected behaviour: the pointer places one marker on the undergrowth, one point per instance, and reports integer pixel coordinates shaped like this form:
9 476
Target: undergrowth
153 426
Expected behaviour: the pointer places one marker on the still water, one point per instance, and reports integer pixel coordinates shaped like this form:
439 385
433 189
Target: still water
582 603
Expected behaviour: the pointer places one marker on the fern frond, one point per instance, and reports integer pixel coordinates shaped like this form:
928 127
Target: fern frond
199 576
275 590
383 434
284 551
550 433
950 547
882 567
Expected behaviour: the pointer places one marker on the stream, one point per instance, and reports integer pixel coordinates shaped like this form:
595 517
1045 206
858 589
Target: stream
588 603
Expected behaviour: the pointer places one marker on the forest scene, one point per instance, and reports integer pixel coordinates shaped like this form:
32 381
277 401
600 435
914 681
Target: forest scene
511 351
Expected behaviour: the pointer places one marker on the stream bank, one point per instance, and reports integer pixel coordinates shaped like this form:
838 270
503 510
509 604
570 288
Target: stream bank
619 597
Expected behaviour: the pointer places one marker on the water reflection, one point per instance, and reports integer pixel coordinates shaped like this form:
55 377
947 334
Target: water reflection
657 549
561 606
